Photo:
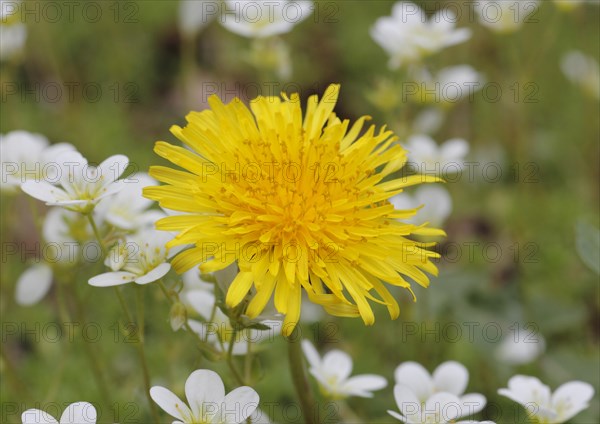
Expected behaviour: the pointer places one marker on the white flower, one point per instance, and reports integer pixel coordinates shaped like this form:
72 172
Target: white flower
504 16
263 18
12 40
127 209
76 413
427 158
194 15
82 185
141 258
449 85
33 284
552 408
207 401
428 121
520 346
332 372
440 408
192 280
408 36
582 70
434 200
217 329
28 157
450 378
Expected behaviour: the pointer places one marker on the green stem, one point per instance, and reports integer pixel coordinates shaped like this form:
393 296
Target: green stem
141 352
230 363
97 234
300 378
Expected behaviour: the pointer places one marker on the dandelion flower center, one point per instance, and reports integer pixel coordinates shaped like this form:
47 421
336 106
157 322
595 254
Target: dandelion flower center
298 203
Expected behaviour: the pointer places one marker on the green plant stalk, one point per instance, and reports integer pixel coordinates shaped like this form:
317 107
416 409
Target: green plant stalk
300 378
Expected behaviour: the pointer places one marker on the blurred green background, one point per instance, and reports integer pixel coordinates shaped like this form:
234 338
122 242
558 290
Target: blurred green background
138 66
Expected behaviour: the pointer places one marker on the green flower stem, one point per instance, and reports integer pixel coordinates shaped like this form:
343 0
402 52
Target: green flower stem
140 323
202 345
141 351
230 363
300 378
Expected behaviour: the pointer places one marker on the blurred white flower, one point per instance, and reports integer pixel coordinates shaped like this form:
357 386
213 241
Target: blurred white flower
435 201
332 372
141 258
408 36
83 186
194 15
33 284
426 157
76 413
520 346
27 156
552 408
192 280
428 121
504 16
217 329
450 378
207 401
449 85
127 209
582 70
264 18
12 40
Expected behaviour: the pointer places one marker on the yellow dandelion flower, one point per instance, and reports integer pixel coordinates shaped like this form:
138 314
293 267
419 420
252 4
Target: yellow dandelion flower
298 203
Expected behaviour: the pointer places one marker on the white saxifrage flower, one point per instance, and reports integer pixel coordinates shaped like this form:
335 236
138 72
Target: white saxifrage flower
449 85
582 70
207 401
128 209
76 413
194 15
81 186
434 200
552 408
142 258
332 372
428 158
263 18
217 329
505 16
520 346
13 33
68 240
409 36
28 157
450 378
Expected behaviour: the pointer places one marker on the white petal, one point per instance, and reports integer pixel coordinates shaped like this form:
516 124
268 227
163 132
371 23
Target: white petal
472 403
572 398
362 385
445 405
407 402
451 377
202 302
527 391
338 363
79 413
109 279
204 391
170 403
415 377
33 284
44 191
36 416
312 356
397 416
239 404
454 149
112 168
154 274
